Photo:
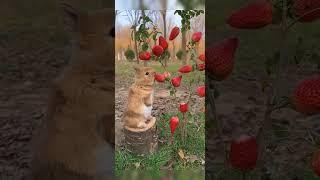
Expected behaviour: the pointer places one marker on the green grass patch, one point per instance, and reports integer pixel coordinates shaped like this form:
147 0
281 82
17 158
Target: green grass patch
167 155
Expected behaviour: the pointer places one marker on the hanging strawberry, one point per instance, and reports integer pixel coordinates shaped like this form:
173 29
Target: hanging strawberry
145 56
244 153
159 77
157 50
220 58
315 163
202 57
183 107
201 90
196 36
176 81
185 69
174 33
306 96
163 42
174 122
254 15
201 67
302 9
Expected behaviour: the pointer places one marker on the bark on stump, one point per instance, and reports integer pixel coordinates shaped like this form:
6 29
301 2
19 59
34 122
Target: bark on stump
142 141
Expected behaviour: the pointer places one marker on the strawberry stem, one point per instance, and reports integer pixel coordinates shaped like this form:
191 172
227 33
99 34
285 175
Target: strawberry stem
300 17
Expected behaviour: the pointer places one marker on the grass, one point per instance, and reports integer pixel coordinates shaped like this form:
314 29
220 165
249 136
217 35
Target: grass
167 155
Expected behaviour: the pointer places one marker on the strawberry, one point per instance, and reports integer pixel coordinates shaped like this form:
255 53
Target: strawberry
315 163
201 67
145 56
254 15
176 81
306 96
185 69
174 33
157 50
220 58
183 107
174 121
166 74
196 36
201 90
163 42
202 57
302 9
244 153
159 77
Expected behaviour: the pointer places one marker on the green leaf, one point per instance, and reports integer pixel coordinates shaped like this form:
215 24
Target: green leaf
145 46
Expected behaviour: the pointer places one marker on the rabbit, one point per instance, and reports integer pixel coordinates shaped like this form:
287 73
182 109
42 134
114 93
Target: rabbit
76 140
140 99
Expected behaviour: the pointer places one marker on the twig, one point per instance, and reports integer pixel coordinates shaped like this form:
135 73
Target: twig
300 17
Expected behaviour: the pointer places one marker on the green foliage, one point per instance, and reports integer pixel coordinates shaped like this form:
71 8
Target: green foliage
186 16
129 54
179 54
168 154
191 4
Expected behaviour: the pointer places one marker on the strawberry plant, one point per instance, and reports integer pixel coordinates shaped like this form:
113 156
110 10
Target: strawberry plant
248 152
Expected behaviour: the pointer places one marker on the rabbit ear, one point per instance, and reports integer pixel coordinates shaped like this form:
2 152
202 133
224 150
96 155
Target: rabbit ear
70 16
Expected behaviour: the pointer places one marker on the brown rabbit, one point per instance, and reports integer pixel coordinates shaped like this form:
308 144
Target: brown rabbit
77 136
140 98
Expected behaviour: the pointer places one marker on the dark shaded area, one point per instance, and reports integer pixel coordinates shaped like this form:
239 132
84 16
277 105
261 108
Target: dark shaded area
34 48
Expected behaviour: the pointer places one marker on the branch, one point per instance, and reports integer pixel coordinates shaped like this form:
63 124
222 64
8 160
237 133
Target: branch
297 19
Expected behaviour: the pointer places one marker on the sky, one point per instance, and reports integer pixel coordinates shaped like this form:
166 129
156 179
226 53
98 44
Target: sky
150 4
122 20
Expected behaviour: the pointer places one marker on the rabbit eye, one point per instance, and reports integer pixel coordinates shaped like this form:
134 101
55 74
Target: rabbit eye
147 73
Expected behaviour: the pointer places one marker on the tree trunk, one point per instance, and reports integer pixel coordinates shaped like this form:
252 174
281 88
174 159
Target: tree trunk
183 47
164 14
136 46
142 142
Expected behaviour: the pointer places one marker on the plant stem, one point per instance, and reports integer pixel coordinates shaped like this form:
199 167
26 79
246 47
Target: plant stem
276 90
243 175
300 17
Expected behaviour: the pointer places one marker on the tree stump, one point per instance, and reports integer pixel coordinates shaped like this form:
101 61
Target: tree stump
142 141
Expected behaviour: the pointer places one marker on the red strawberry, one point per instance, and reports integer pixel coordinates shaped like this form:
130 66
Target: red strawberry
244 153
302 7
185 69
202 57
254 15
176 81
306 96
174 33
220 58
163 42
183 107
174 121
201 67
159 77
201 91
145 56
196 36
315 163
157 50
166 75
